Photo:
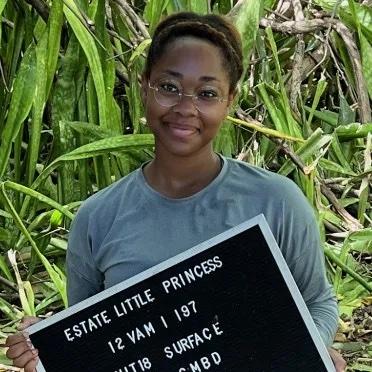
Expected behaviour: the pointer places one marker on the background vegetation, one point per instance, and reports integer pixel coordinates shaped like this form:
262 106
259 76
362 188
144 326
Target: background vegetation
71 123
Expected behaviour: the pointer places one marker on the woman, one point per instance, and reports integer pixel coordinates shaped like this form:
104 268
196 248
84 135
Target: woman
188 193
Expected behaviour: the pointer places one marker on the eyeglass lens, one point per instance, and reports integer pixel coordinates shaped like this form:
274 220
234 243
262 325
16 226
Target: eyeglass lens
169 93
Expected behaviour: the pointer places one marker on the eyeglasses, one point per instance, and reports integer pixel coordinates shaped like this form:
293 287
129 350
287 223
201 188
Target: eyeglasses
169 93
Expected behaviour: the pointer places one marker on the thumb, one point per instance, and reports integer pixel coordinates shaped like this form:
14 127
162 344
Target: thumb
338 360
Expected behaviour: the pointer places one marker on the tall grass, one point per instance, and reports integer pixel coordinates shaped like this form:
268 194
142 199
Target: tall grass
72 123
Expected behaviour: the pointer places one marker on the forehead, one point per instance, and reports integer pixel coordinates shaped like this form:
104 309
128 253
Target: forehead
192 57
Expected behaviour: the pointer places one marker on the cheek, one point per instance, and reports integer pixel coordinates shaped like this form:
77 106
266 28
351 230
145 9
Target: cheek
153 112
215 119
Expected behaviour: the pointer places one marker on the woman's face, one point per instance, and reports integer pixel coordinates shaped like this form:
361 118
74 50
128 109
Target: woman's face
191 66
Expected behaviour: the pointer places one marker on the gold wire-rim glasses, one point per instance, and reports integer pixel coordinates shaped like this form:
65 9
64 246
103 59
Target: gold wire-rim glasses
209 102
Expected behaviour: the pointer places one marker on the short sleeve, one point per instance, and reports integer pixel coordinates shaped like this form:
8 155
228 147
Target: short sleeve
83 277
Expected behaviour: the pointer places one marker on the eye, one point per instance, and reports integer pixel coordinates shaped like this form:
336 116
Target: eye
168 88
208 94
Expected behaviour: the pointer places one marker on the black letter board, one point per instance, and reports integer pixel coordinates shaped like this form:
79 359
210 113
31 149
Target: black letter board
229 304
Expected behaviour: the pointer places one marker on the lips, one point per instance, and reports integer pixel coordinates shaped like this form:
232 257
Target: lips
182 130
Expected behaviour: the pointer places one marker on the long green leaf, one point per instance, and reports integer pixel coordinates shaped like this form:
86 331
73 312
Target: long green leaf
365 185
277 119
58 280
362 235
8 310
198 6
335 167
108 67
2 6
343 258
247 22
334 258
312 145
292 126
139 50
326 115
101 147
353 130
320 88
4 268
361 367
88 44
90 131
26 301
153 11
38 109
45 303
366 53
337 151
55 23
264 130
20 105
42 198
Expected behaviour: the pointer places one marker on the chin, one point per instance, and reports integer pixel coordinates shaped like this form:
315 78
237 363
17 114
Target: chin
184 150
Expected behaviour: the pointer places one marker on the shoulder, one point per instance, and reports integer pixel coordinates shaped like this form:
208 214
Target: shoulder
262 180
107 201
278 194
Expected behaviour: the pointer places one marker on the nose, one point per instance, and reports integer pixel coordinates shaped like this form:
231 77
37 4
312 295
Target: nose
186 105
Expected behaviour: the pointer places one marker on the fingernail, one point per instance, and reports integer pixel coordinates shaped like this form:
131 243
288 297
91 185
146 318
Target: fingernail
29 343
34 351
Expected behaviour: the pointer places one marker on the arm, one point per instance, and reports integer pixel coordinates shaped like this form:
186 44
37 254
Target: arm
300 242
310 277
83 277
299 239
319 297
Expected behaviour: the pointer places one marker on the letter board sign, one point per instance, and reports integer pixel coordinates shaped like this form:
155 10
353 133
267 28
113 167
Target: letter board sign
228 304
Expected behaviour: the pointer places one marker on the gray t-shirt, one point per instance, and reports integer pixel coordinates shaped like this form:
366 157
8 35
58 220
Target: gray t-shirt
128 227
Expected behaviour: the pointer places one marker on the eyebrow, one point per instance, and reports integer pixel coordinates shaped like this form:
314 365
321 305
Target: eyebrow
180 76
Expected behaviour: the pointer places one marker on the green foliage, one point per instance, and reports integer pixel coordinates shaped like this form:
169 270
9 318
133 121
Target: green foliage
20 105
247 22
72 123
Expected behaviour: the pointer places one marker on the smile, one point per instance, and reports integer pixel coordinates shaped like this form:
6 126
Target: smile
181 130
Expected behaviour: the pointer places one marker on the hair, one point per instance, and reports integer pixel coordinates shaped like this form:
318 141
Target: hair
213 28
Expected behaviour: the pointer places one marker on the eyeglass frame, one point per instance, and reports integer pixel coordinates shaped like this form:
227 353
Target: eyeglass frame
181 94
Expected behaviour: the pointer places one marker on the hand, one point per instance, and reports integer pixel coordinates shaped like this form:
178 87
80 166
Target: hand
338 360
21 351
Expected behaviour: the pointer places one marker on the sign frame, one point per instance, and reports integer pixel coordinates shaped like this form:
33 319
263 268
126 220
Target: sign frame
275 251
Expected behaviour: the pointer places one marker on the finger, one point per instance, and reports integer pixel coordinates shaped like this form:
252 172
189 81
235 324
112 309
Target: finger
15 339
27 358
340 365
27 321
31 365
338 360
15 351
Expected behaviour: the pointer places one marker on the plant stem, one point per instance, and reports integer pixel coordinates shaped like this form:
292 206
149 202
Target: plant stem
328 252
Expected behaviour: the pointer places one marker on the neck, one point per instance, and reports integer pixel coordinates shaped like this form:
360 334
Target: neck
179 177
